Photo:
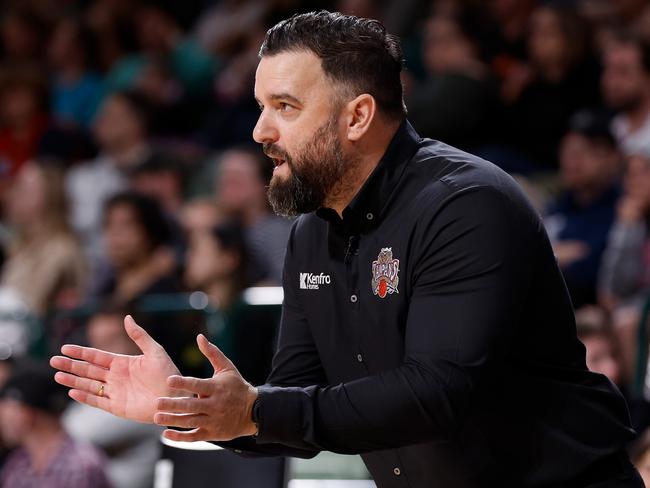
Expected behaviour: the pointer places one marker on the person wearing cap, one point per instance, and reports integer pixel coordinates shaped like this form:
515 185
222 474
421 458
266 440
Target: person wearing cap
44 456
579 218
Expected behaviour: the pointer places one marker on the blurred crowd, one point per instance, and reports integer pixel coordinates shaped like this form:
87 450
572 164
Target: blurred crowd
129 184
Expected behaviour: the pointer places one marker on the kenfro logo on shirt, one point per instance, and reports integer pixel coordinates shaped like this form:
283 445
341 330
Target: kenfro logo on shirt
311 281
385 273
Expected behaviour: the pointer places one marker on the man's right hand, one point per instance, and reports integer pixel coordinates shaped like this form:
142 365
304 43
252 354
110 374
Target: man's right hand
131 384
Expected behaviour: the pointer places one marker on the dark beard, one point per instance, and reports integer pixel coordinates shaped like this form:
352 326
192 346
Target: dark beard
317 170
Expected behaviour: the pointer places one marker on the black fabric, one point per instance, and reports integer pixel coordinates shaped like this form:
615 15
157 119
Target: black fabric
469 373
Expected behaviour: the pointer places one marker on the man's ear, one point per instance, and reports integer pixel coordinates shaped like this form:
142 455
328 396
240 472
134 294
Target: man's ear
360 114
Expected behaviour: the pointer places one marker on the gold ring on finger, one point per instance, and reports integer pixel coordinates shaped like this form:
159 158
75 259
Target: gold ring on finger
100 392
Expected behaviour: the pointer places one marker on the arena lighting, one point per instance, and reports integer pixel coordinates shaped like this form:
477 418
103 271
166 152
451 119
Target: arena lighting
264 295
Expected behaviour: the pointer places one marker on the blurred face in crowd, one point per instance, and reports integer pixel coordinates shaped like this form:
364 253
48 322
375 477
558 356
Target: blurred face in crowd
446 48
64 44
207 261
600 356
16 421
19 104
106 332
547 43
300 131
585 163
624 81
126 242
239 183
200 216
637 179
26 199
117 125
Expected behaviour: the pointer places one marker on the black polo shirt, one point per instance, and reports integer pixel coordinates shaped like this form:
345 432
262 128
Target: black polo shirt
430 330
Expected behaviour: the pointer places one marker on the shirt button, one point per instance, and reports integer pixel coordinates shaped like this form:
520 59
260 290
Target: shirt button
353 299
360 358
370 216
397 471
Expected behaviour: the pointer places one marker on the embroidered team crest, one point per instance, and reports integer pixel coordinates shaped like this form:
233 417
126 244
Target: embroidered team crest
385 273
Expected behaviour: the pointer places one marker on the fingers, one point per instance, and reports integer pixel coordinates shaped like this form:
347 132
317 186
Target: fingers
82 384
79 368
138 335
186 421
218 359
89 354
90 399
181 405
187 436
200 386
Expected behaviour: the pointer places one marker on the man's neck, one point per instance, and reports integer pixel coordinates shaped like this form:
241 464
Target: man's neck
370 153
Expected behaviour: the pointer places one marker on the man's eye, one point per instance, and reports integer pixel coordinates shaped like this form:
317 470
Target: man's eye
285 107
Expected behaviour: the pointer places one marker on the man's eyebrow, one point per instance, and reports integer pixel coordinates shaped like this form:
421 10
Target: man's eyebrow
285 96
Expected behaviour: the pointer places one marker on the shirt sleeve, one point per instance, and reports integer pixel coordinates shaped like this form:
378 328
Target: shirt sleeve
472 262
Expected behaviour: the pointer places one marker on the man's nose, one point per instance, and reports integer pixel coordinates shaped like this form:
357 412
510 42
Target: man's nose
264 131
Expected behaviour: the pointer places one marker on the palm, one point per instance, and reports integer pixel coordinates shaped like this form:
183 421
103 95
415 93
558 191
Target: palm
135 383
131 384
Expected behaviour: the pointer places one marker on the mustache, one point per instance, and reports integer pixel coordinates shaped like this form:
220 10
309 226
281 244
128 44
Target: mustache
274 151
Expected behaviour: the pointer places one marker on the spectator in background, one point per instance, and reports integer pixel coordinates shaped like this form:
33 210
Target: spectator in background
45 455
217 263
579 219
137 238
132 447
625 270
21 33
539 98
626 89
200 215
241 177
142 273
456 100
23 119
45 266
76 90
121 131
161 177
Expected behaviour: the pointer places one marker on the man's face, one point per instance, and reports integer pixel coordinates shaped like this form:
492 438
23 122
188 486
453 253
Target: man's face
623 80
300 130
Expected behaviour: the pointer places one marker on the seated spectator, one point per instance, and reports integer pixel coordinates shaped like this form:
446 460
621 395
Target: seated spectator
132 447
559 79
44 266
625 270
242 175
23 119
625 85
137 237
76 90
45 456
456 100
579 219
216 264
121 131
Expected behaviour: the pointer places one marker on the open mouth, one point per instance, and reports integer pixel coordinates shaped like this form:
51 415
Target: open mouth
277 162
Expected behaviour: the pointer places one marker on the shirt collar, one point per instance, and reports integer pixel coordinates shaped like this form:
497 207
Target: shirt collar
367 207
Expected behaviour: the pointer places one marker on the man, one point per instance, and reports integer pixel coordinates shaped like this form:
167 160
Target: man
625 86
578 219
425 322
30 409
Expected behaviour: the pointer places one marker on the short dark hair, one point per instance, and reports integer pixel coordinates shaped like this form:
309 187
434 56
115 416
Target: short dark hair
147 212
353 51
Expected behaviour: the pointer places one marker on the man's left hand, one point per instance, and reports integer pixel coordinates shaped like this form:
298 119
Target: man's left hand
221 411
